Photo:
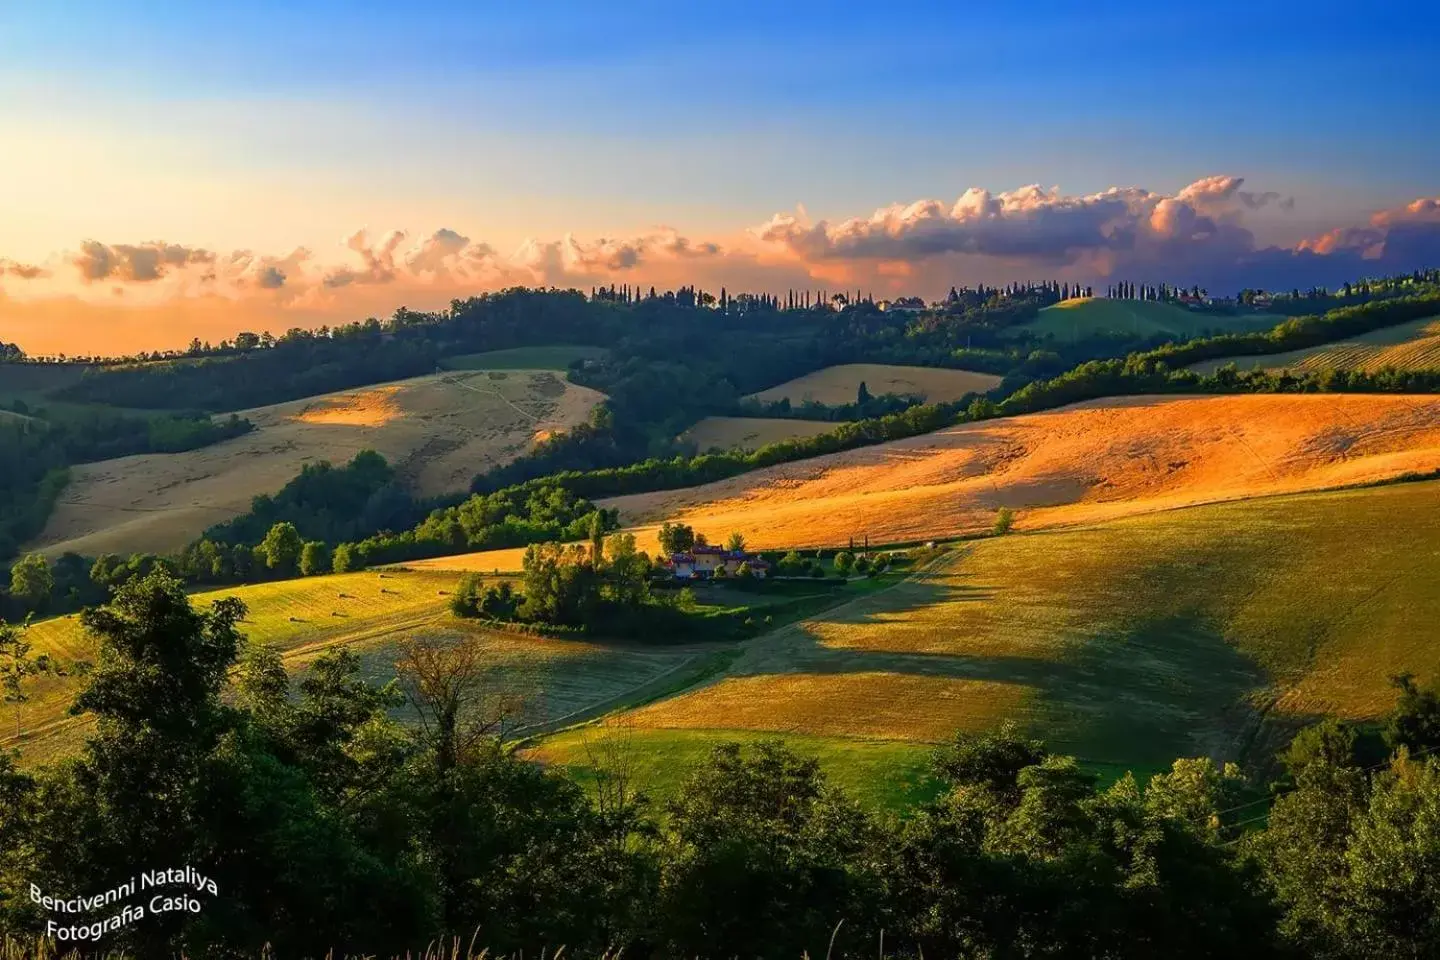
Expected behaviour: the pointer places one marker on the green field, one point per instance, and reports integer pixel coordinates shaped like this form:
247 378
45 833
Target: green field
881 774
1406 346
1093 316
552 357
1214 630
370 613
554 681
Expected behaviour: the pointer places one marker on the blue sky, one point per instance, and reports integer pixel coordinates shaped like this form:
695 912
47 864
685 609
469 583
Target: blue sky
697 105
274 125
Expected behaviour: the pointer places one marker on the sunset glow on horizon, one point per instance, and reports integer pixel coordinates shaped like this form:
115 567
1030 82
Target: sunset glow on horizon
162 180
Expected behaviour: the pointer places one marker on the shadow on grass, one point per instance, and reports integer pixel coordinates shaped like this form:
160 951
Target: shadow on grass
1141 692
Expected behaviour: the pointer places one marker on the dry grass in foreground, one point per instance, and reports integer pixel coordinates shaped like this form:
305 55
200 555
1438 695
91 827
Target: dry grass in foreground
438 431
840 384
1082 464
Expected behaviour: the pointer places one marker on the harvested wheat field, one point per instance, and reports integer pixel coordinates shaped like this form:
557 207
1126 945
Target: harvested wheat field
437 431
1207 631
502 560
1080 464
841 384
1406 346
750 433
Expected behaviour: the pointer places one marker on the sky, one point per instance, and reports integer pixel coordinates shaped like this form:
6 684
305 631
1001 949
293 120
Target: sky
169 172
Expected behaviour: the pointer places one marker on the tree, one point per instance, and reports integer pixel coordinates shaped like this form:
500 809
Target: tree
281 547
597 538
1004 521
560 587
735 543
743 572
627 570
451 686
16 666
314 558
676 537
1303 849
843 561
768 856
31 581
1415 722
346 559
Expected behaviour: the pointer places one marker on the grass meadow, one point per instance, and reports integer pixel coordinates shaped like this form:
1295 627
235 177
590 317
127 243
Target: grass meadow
1214 630
1086 317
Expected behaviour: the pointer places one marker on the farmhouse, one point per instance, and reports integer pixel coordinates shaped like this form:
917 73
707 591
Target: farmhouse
701 563
902 305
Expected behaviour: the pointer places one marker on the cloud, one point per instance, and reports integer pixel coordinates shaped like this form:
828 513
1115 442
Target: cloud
1418 219
24 271
1196 235
379 260
1031 224
135 263
245 270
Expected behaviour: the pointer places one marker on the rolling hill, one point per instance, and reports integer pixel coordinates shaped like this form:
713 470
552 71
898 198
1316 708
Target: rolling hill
837 385
1407 346
438 431
1092 316
1081 464
1212 630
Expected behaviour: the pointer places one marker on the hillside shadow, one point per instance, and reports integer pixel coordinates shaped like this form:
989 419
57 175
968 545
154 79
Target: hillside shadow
1156 689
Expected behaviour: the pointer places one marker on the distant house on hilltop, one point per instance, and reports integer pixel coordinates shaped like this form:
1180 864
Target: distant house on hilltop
902 305
701 563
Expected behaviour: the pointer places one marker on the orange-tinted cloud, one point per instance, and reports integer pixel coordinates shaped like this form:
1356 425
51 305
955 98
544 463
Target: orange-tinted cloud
23 271
135 263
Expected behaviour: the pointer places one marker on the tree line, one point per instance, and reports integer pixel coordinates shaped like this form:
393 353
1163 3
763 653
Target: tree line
328 824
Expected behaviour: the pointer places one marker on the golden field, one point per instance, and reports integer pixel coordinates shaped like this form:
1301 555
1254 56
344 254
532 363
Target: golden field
437 431
1081 464
1207 631
750 433
1406 346
841 384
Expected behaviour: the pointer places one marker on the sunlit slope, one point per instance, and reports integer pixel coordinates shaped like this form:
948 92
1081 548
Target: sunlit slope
1406 346
370 613
438 431
1200 631
1080 464
837 385
1086 317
